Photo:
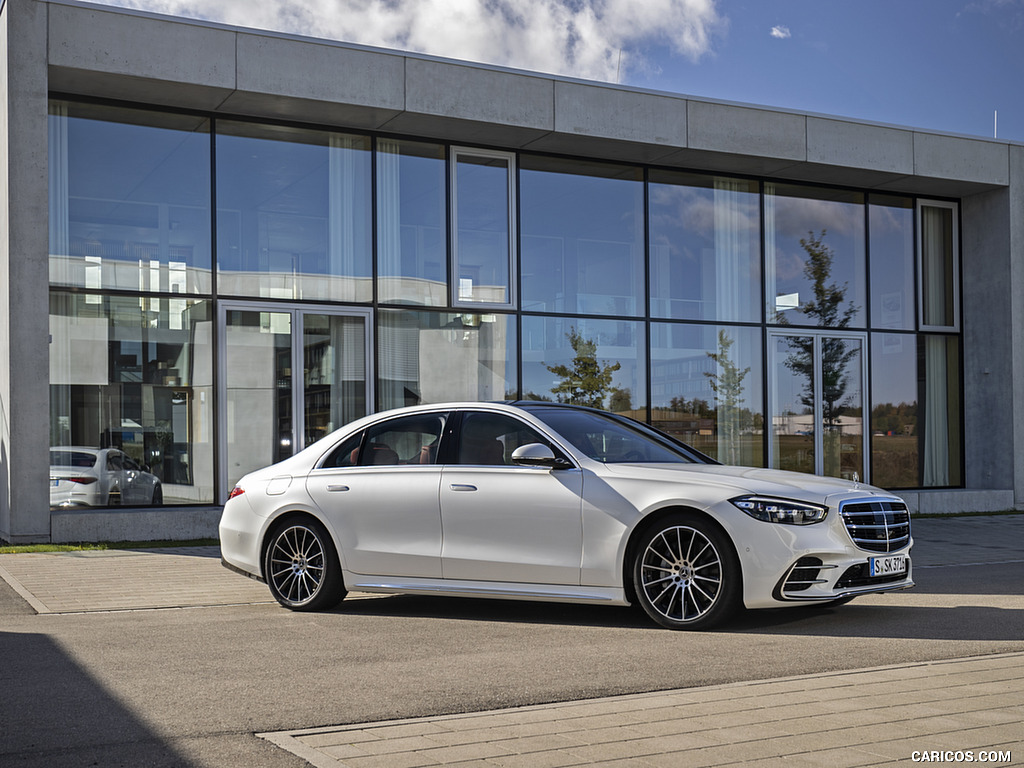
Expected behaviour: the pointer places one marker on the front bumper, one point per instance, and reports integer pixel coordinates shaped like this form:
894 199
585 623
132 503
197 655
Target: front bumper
822 562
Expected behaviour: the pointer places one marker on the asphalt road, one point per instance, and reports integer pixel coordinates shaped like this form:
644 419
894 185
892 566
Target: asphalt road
190 687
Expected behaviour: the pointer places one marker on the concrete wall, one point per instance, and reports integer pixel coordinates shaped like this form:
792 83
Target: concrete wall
24 279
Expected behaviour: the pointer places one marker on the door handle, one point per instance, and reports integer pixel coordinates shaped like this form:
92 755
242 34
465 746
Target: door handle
462 487
336 488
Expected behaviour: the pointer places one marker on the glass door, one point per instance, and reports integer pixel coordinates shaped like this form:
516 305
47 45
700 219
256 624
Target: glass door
816 392
287 378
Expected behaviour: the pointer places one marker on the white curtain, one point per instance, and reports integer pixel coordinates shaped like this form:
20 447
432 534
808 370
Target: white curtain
389 213
936 412
344 193
732 249
769 249
935 266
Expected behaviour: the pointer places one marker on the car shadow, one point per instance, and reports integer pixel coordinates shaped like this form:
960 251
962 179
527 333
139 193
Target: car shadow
893 615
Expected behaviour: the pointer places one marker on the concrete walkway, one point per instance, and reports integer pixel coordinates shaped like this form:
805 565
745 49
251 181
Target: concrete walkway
958 710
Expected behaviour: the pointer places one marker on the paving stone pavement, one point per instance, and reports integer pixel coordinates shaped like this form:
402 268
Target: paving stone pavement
872 717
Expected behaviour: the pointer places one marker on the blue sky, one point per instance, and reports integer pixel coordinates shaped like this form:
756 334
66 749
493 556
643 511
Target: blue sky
945 65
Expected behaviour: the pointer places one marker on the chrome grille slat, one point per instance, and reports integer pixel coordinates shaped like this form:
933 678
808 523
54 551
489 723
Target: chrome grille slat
877 525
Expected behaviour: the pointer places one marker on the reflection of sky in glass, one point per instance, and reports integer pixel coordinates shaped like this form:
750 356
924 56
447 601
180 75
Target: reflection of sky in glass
274 202
792 218
483 220
137 192
582 238
705 248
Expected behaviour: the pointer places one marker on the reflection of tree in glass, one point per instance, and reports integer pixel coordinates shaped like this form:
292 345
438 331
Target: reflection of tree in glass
586 381
827 307
727 384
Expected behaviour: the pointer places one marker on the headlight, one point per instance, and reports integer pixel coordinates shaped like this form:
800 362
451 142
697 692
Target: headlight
780 510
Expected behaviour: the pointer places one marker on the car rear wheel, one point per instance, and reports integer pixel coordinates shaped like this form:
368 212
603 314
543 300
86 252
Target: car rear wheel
685 573
302 568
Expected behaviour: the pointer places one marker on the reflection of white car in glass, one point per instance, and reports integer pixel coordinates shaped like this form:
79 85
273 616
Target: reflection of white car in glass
100 477
539 501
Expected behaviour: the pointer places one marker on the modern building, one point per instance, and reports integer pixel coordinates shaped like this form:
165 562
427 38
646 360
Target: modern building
218 244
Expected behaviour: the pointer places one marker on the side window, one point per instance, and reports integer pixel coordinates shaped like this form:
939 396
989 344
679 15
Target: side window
406 440
489 439
346 454
113 461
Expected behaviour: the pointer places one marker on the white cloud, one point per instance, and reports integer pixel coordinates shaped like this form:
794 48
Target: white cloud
592 39
780 32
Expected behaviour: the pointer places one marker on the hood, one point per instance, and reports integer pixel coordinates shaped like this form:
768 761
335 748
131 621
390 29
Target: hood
793 485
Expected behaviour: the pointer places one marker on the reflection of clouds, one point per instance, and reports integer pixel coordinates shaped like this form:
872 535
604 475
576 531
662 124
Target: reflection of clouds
794 217
691 210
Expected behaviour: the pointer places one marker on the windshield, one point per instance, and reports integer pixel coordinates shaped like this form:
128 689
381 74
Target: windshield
608 440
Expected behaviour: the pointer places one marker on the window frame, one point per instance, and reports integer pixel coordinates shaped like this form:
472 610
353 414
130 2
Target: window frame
454 153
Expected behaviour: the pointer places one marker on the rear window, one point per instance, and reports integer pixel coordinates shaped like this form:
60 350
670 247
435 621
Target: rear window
72 459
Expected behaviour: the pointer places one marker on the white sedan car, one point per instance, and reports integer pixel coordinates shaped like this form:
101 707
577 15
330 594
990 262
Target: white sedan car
100 477
538 501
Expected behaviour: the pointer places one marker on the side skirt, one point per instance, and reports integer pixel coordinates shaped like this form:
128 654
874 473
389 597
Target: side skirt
558 593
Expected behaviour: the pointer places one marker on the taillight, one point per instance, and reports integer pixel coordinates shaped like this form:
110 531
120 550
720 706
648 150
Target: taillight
236 491
82 480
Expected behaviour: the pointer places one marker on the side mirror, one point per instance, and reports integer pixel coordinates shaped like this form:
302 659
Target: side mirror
537 455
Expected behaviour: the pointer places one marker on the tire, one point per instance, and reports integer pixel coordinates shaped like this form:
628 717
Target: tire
158 496
301 567
685 573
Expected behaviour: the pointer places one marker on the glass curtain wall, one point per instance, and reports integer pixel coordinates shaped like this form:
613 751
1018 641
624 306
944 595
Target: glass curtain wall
293 213
657 299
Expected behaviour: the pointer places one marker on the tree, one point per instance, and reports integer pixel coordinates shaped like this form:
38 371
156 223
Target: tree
829 307
586 381
727 384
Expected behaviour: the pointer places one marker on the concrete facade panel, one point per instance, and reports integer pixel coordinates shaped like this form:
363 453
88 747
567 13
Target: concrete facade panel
608 113
480 95
746 131
1015 321
24 390
987 340
964 159
137 46
856 145
297 69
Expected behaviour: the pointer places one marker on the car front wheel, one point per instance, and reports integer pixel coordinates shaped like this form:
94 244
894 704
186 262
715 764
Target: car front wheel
685 573
301 567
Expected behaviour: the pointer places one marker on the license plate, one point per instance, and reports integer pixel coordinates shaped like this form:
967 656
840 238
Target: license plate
55 482
888 566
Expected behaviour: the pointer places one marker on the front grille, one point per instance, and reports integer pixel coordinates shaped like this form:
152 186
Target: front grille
859 576
877 526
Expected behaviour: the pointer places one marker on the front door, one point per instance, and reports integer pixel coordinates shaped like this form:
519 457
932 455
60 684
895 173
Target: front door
816 391
287 378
